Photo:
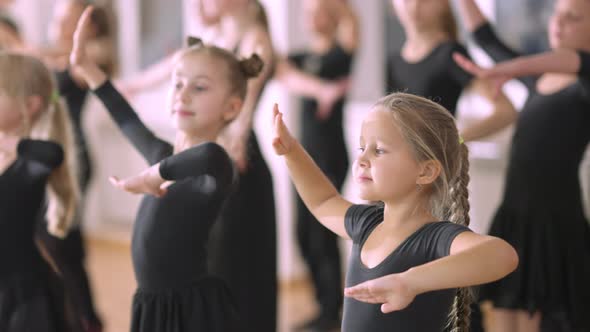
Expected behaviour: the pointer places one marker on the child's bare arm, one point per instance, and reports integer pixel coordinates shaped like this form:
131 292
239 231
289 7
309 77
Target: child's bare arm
317 192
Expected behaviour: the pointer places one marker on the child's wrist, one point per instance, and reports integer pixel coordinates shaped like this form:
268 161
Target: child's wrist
154 174
295 147
91 74
412 280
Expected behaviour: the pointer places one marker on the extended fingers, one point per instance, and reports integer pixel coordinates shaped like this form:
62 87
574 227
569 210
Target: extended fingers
467 64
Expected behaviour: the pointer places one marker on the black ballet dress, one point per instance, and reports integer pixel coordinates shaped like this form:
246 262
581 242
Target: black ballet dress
436 76
27 303
541 213
169 246
324 141
243 244
428 311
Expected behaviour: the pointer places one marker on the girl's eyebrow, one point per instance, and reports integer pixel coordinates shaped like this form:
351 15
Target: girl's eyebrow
197 77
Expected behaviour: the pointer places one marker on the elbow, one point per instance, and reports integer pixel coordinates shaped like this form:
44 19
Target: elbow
507 258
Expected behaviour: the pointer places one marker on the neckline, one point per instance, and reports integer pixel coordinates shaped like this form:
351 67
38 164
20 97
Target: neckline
426 57
393 252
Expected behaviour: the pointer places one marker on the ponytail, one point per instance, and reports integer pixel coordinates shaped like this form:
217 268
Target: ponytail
459 214
62 188
25 76
459 193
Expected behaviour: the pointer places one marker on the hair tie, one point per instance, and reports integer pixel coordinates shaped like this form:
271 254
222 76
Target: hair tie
194 41
55 96
461 140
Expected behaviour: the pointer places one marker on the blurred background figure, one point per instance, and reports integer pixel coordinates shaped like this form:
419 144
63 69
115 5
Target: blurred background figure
69 254
320 75
544 220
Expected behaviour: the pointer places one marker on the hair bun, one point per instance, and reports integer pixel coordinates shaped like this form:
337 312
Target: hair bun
252 66
194 41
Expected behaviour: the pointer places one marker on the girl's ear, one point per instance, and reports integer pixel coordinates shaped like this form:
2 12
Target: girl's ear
33 105
430 170
233 109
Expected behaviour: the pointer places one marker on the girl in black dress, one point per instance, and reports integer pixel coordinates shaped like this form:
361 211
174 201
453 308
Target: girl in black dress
413 160
240 26
541 213
187 185
425 67
67 255
36 156
314 74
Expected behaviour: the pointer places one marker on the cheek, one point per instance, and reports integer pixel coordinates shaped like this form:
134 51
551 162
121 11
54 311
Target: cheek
400 175
9 119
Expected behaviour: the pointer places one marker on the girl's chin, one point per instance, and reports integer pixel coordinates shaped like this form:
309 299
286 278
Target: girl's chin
365 196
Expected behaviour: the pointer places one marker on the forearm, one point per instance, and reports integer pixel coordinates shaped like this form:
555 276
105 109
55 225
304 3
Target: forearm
298 82
311 183
486 262
492 124
471 15
558 61
206 158
503 114
91 74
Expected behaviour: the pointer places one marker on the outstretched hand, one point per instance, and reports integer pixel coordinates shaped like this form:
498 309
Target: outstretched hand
393 292
283 141
82 65
147 182
495 75
78 56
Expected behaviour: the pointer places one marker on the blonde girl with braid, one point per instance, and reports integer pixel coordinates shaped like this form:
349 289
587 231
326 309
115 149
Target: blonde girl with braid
36 166
413 255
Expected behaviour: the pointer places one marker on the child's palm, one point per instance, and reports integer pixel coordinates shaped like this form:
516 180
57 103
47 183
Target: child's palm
78 56
391 291
144 183
282 141
494 76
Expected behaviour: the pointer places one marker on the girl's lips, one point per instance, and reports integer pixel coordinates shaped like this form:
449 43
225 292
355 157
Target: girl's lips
185 113
363 179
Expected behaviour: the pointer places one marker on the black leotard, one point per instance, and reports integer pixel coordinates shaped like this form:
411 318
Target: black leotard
541 213
436 76
25 300
169 247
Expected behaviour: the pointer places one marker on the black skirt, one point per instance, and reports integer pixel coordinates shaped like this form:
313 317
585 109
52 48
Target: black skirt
553 245
205 305
29 304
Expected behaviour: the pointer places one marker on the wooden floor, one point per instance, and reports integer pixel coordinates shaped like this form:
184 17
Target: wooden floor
109 265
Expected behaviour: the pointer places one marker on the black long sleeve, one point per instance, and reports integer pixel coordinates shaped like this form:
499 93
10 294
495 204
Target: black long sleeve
49 154
584 72
152 148
207 158
488 40
66 84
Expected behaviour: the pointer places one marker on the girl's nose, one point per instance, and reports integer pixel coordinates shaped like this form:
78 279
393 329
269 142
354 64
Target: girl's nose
362 161
183 96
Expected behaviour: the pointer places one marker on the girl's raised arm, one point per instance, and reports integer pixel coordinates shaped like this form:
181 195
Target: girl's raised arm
317 192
